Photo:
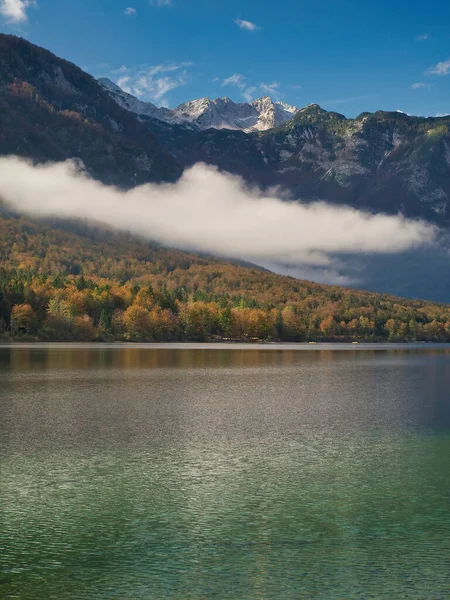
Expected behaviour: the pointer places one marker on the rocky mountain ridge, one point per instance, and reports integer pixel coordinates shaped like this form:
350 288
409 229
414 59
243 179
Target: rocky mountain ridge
382 162
222 113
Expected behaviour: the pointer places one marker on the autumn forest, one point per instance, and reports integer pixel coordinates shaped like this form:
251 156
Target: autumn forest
73 282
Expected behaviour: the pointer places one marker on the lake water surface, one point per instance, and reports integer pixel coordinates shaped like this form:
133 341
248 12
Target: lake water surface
154 472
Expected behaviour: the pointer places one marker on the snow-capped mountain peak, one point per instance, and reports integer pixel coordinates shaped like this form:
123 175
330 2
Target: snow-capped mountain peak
272 114
204 113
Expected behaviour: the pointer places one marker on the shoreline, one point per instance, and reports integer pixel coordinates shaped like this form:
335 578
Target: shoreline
274 346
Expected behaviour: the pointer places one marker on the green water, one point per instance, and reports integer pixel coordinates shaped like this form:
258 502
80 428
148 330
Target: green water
153 473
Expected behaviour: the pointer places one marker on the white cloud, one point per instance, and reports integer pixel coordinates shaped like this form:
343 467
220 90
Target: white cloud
422 37
442 68
151 82
160 2
130 12
246 25
419 85
213 212
236 79
15 11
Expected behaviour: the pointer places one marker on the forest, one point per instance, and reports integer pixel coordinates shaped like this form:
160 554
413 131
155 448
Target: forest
77 282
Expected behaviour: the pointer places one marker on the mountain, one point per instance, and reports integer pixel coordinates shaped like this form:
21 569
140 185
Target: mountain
51 110
383 161
67 281
222 113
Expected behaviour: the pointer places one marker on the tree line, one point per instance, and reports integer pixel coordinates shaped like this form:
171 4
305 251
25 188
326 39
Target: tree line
65 308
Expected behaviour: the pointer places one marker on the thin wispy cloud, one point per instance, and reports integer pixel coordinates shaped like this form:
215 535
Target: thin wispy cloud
422 37
15 11
420 85
151 82
271 89
442 68
248 91
248 25
237 80
160 2
130 12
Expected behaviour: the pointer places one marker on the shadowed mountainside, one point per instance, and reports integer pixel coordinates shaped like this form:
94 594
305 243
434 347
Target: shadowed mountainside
51 110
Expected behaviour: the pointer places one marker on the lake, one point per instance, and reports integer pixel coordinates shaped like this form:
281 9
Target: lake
215 471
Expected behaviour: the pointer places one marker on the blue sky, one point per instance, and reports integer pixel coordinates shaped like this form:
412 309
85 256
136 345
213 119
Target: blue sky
347 55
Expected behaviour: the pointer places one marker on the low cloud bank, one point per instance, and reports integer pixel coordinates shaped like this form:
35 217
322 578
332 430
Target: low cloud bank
211 212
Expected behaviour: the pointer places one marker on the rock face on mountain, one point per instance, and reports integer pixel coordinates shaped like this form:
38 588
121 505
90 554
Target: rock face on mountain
51 110
387 162
222 113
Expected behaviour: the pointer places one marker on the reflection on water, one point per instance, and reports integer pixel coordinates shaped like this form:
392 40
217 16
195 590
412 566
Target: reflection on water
136 472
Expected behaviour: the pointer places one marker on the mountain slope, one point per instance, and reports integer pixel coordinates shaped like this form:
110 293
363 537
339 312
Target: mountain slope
67 281
222 113
133 104
51 110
